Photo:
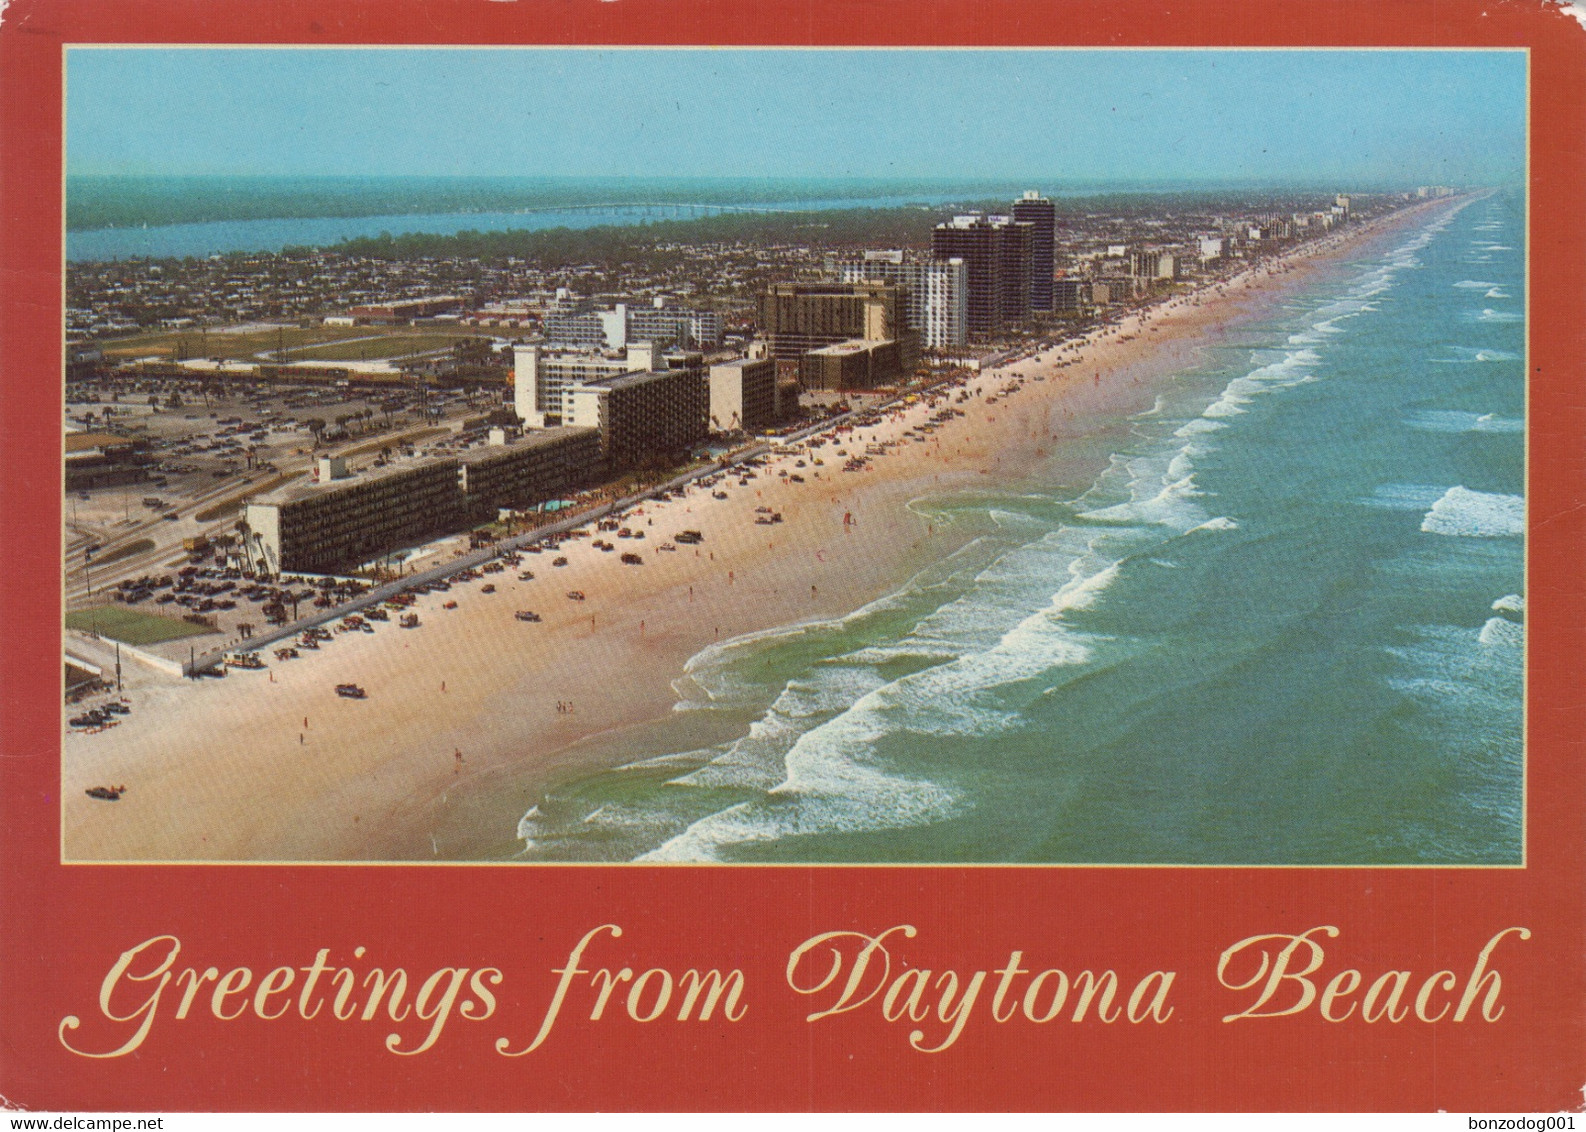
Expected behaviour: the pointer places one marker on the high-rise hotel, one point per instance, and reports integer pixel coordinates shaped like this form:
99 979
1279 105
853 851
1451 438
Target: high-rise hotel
996 251
1041 214
936 292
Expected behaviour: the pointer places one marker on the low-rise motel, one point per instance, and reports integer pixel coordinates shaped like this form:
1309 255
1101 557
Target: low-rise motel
344 518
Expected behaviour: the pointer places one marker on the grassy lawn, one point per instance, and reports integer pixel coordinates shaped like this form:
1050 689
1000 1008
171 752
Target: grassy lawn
131 626
218 345
386 346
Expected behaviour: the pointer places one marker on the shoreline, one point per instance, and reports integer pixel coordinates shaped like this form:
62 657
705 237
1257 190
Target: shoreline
287 771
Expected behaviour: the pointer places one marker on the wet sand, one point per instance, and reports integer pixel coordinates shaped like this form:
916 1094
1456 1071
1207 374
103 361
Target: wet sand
274 766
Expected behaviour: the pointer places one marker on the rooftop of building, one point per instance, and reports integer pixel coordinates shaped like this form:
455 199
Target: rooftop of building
533 438
851 346
639 377
739 363
828 287
980 220
882 260
309 489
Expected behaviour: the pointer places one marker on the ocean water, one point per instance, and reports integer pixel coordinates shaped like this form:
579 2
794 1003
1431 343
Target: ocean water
1285 626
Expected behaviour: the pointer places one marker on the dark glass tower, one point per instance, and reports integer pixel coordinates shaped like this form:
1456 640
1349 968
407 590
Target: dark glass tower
1041 215
996 254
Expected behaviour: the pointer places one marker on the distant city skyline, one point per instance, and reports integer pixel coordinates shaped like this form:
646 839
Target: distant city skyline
1047 116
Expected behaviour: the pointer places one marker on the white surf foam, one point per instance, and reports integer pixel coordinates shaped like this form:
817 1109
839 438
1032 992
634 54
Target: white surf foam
832 781
1453 420
1510 603
1475 514
1469 355
1170 507
1503 633
1221 523
1199 427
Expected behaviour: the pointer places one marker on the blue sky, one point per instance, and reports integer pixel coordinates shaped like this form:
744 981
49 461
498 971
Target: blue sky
1396 117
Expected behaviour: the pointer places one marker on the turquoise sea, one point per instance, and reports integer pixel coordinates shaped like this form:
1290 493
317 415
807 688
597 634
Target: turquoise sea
1285 626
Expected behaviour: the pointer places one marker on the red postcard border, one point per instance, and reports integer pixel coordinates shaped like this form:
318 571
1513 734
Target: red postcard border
65 926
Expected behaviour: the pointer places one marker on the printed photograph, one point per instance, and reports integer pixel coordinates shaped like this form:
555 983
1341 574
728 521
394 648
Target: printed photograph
823 457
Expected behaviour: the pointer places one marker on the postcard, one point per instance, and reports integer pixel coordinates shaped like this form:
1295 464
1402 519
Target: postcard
619 557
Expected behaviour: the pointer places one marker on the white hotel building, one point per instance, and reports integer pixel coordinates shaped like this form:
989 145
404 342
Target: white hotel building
938 292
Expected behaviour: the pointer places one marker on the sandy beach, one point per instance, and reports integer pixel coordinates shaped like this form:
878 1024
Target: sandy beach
274 766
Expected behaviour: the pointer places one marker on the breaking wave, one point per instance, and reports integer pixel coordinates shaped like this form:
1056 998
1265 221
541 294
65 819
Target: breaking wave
1476 514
